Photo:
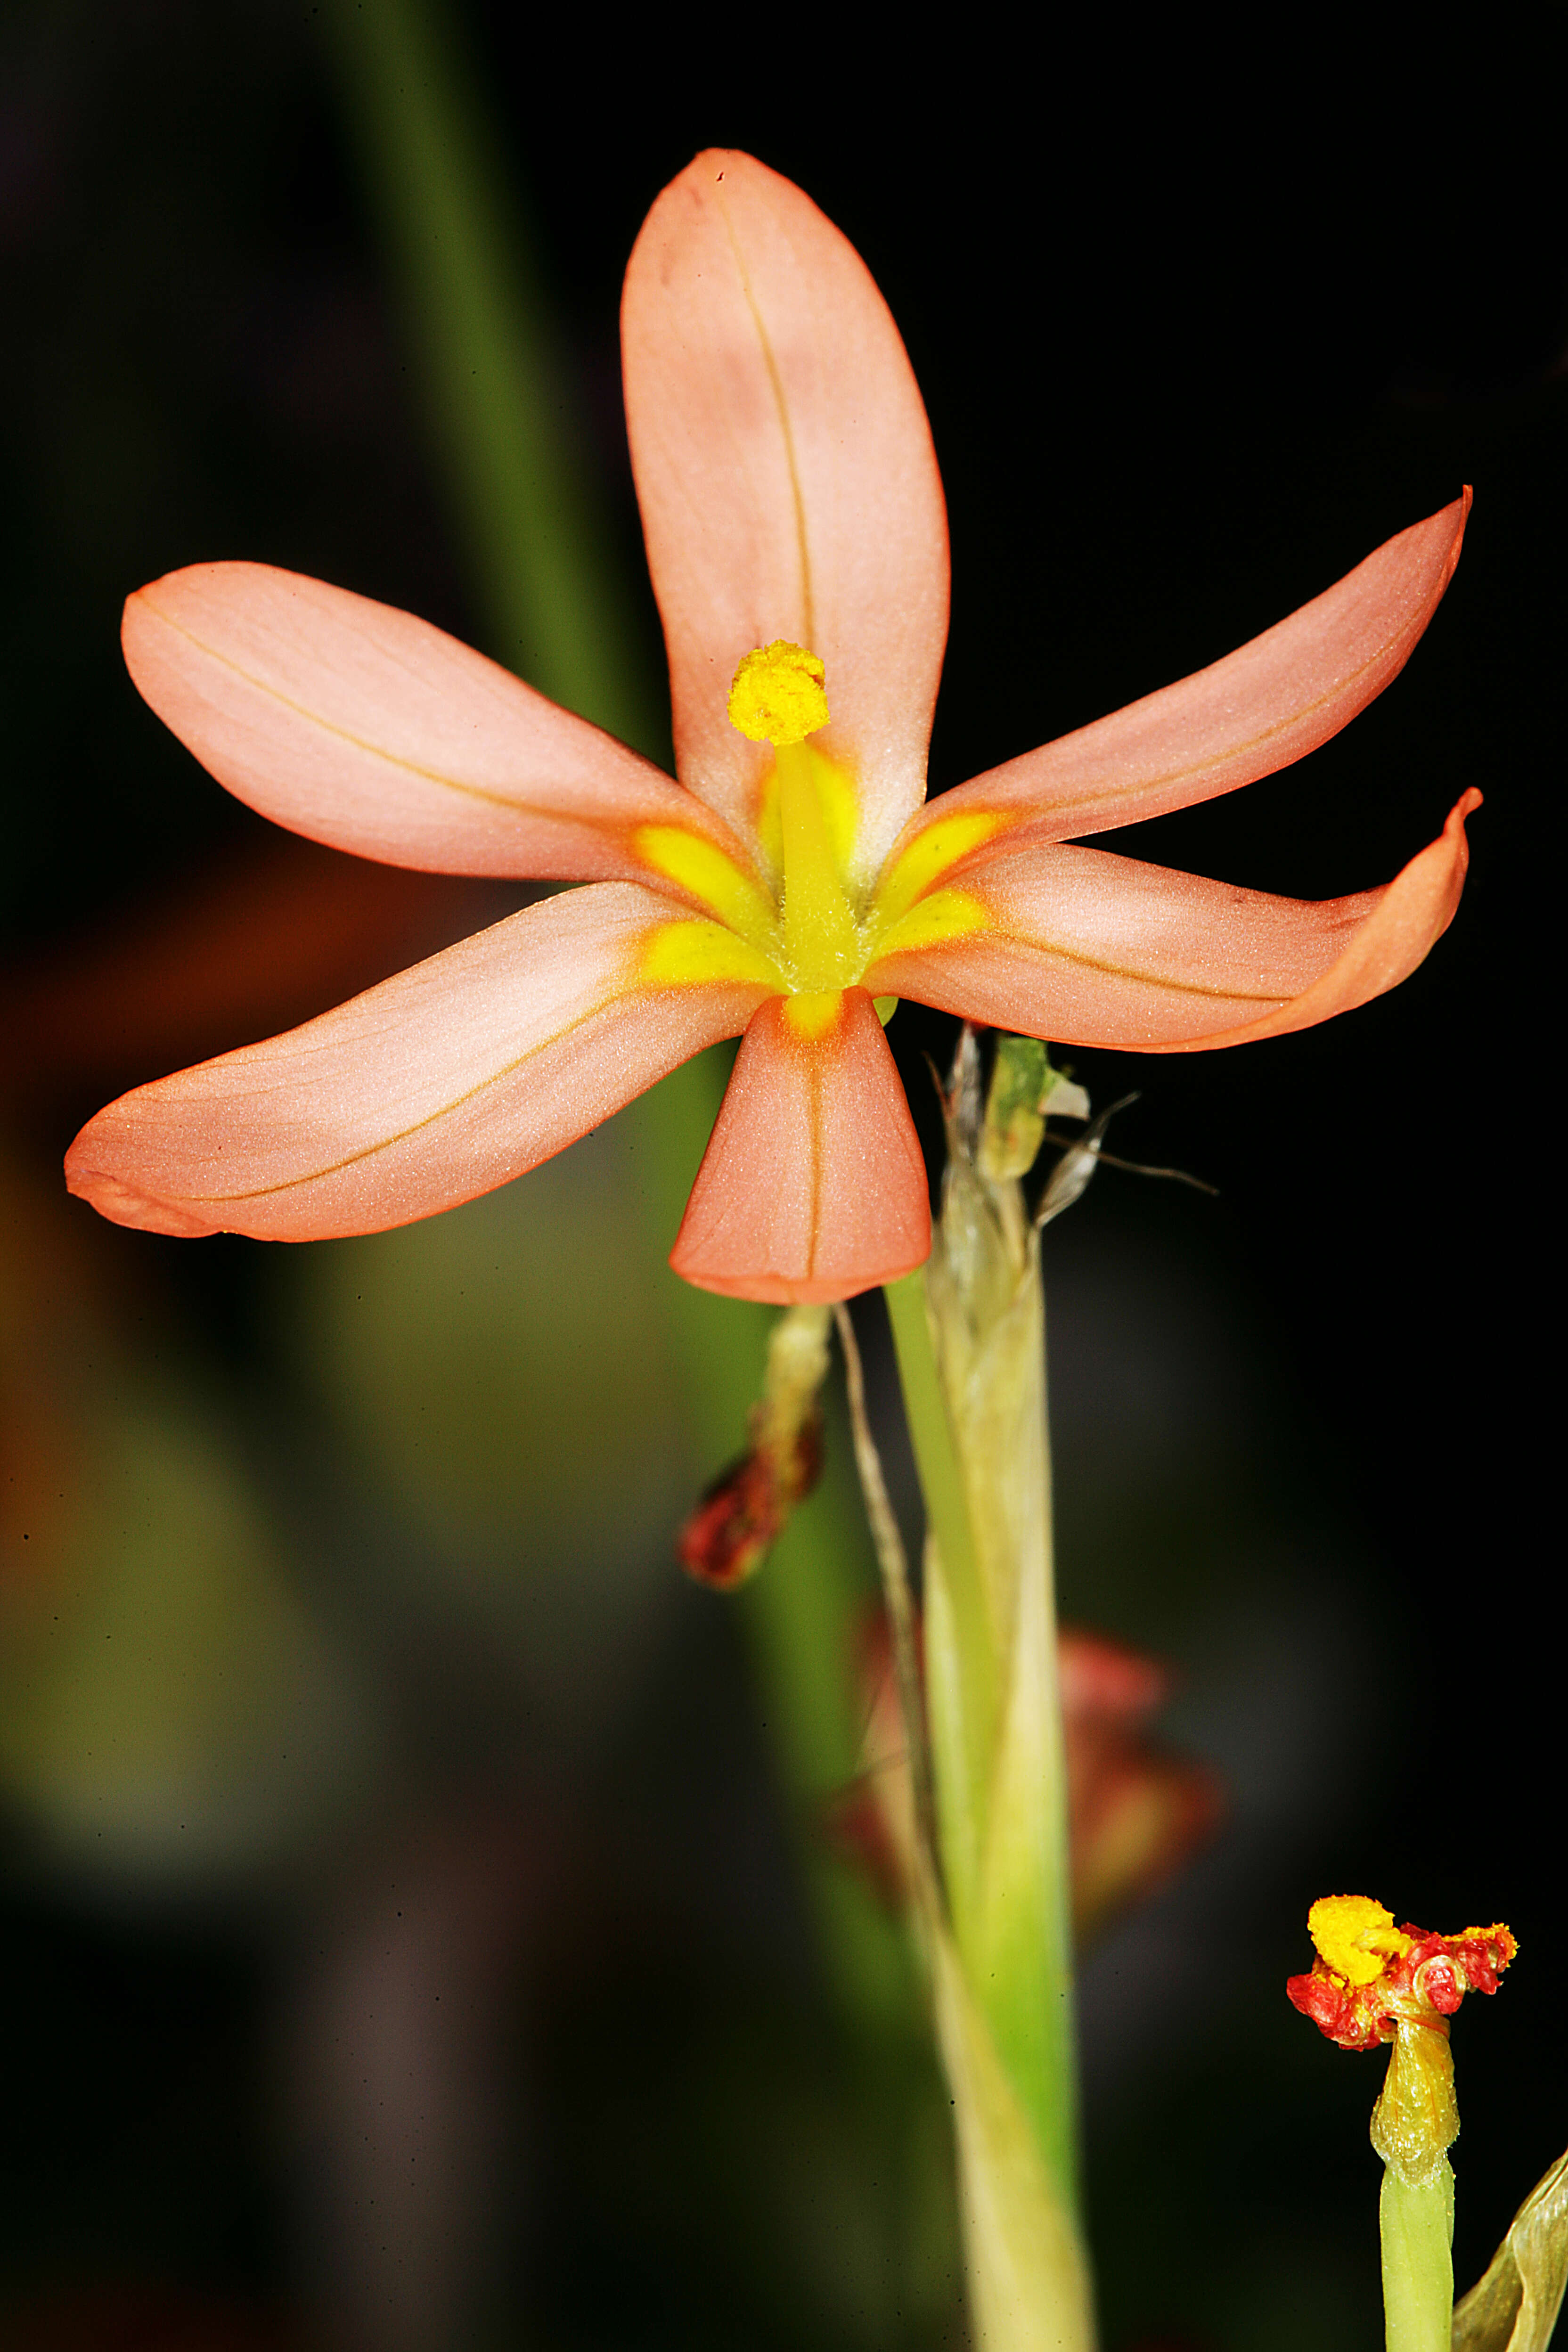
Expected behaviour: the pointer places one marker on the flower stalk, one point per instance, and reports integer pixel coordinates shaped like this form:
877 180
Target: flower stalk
1413 2123
969 1335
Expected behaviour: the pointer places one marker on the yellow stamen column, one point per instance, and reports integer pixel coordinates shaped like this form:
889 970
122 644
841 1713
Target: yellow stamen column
779 697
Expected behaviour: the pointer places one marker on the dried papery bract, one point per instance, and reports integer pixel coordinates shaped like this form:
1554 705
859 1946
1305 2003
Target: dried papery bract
1513 2307
730 1534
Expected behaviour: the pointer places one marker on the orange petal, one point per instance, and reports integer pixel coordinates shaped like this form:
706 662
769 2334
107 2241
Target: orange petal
1262 707
441 1083
1093 949
787 481
360 726
812 1186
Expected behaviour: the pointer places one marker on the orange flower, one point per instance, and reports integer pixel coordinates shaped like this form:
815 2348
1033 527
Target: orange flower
793 512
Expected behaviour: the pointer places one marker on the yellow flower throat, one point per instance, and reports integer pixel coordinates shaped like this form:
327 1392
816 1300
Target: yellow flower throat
817 934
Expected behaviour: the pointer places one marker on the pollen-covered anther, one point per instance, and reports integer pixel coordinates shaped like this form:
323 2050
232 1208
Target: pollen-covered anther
1355 1937
1373 1980
778 696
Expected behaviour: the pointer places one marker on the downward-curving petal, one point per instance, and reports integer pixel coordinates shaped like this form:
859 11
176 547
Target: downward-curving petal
1270 702
812 1186
787 482
439 1085
360 726
1094 949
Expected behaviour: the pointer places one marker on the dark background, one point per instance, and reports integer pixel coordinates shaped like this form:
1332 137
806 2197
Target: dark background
1187 360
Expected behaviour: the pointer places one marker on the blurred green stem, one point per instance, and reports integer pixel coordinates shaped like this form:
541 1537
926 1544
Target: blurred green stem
499 399
989 1624
499 396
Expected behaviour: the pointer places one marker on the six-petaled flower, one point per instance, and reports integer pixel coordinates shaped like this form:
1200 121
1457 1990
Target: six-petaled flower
793 510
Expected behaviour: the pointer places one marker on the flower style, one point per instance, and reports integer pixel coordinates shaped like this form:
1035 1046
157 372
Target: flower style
793 512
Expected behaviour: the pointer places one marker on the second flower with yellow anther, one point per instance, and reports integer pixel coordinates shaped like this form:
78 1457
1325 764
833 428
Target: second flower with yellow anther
1369 1973
1372 1982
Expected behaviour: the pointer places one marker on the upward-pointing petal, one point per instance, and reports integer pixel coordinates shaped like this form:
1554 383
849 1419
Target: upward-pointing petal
787 482
438 1085
1270 702
362 726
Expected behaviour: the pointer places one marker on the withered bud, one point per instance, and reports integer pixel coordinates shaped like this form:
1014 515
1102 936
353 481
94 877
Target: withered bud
746 1510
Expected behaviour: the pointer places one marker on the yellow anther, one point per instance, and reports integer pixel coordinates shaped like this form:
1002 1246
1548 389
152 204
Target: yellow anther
1355 1937
777 697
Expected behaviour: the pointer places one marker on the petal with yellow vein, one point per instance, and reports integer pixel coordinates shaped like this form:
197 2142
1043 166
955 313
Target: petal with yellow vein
1268 704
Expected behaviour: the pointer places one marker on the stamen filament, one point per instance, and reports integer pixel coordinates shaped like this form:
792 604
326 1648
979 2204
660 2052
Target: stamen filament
821 942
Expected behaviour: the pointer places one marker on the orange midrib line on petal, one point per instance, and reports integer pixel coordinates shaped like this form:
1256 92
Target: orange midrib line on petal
1043 949
610 825
776 381
808 1019
1116 797
385 1143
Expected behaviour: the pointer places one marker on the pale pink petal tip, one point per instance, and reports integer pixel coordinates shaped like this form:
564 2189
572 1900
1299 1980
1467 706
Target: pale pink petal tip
813 1186
1408 920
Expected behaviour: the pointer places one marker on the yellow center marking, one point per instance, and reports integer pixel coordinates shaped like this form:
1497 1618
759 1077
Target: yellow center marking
681 954
808 818
931 922
931 853
701 867
817 937
814 1015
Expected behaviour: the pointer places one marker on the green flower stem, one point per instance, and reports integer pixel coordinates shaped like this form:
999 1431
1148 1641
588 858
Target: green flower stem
963 1724
1027 2276
1416 2219
973 1379
498 390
